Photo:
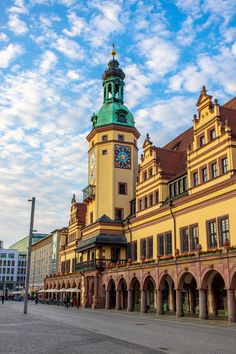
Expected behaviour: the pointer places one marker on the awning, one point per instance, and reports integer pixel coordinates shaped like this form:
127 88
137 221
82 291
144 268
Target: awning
72 290
101 240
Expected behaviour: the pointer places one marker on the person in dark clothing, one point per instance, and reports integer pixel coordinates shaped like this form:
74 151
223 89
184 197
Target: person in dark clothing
67 302
36 300
3 298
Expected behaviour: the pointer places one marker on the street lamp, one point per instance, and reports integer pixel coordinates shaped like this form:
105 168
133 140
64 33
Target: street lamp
29 254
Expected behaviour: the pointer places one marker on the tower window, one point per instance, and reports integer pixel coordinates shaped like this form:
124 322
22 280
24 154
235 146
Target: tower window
122 187
195 179
121 137
109 91
104 137
91 217
104 152
204 174
116 91
119 213
121 118
224 165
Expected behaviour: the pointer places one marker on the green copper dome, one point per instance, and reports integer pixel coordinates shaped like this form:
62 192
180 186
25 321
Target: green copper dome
113 110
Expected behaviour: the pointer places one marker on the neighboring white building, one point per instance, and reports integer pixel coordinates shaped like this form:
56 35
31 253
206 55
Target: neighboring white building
12 269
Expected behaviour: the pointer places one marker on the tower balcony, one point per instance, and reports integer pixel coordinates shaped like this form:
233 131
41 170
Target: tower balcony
89 193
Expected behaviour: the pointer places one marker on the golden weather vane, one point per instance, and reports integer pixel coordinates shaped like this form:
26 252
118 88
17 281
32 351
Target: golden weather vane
113 52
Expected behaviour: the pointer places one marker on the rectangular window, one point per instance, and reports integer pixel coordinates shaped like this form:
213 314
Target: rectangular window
175 188
150 172
204 174
104 152
168 239
202 140
157 197
211 230
194 237
140 204
185 184
171 190
121 137
214 172
223 230
224 165
122 188
133 250
118 213
151 200
143 248
104 137
180 186
160 245
184 240
11 255
212 134
115 254
145 202
150 247
144 175
195 179
91 217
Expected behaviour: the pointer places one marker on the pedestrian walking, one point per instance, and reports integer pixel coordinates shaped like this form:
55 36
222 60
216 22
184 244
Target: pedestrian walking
3 299
36 300
67 302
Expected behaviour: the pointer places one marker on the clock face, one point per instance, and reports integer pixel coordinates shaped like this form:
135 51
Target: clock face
122 156
92 167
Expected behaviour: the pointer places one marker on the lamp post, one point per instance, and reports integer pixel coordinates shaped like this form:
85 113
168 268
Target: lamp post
29 254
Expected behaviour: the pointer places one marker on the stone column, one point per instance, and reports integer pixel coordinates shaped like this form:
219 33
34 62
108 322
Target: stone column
118 307
130 301
107 305
179 304
143 301
202 304
231 305
159 303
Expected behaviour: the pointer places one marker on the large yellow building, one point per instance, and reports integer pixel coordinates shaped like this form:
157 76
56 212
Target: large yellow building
158 236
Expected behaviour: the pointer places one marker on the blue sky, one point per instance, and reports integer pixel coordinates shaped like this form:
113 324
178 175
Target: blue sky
52 55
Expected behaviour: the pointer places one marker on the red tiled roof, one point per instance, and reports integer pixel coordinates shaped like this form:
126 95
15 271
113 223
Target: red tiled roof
231 103
181 142
171 162
81 212
229 115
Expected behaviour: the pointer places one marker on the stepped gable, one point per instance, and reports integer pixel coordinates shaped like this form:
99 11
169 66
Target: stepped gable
172 163
228 113
181 142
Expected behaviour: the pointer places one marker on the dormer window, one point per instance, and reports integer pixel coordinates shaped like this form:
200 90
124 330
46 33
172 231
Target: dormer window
121 118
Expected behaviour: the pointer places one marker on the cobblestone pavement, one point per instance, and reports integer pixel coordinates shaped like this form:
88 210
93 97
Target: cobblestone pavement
53 329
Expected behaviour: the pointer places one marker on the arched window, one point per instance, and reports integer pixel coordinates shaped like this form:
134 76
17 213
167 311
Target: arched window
116 90
109 91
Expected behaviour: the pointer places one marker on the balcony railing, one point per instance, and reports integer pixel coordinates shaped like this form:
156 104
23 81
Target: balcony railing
97 264
89 192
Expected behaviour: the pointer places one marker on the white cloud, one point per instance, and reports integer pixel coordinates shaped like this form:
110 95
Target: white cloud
74 75
48 61
18 7
167 117
3 37
214 71
16 25
187 33
77 24
69 48
105 23
161 55
10 53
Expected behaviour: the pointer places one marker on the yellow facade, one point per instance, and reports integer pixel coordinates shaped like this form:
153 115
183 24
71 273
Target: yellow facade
174 243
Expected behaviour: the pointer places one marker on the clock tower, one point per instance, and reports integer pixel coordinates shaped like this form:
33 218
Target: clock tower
113 152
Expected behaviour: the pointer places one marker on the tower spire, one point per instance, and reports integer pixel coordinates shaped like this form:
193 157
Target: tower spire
113 52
